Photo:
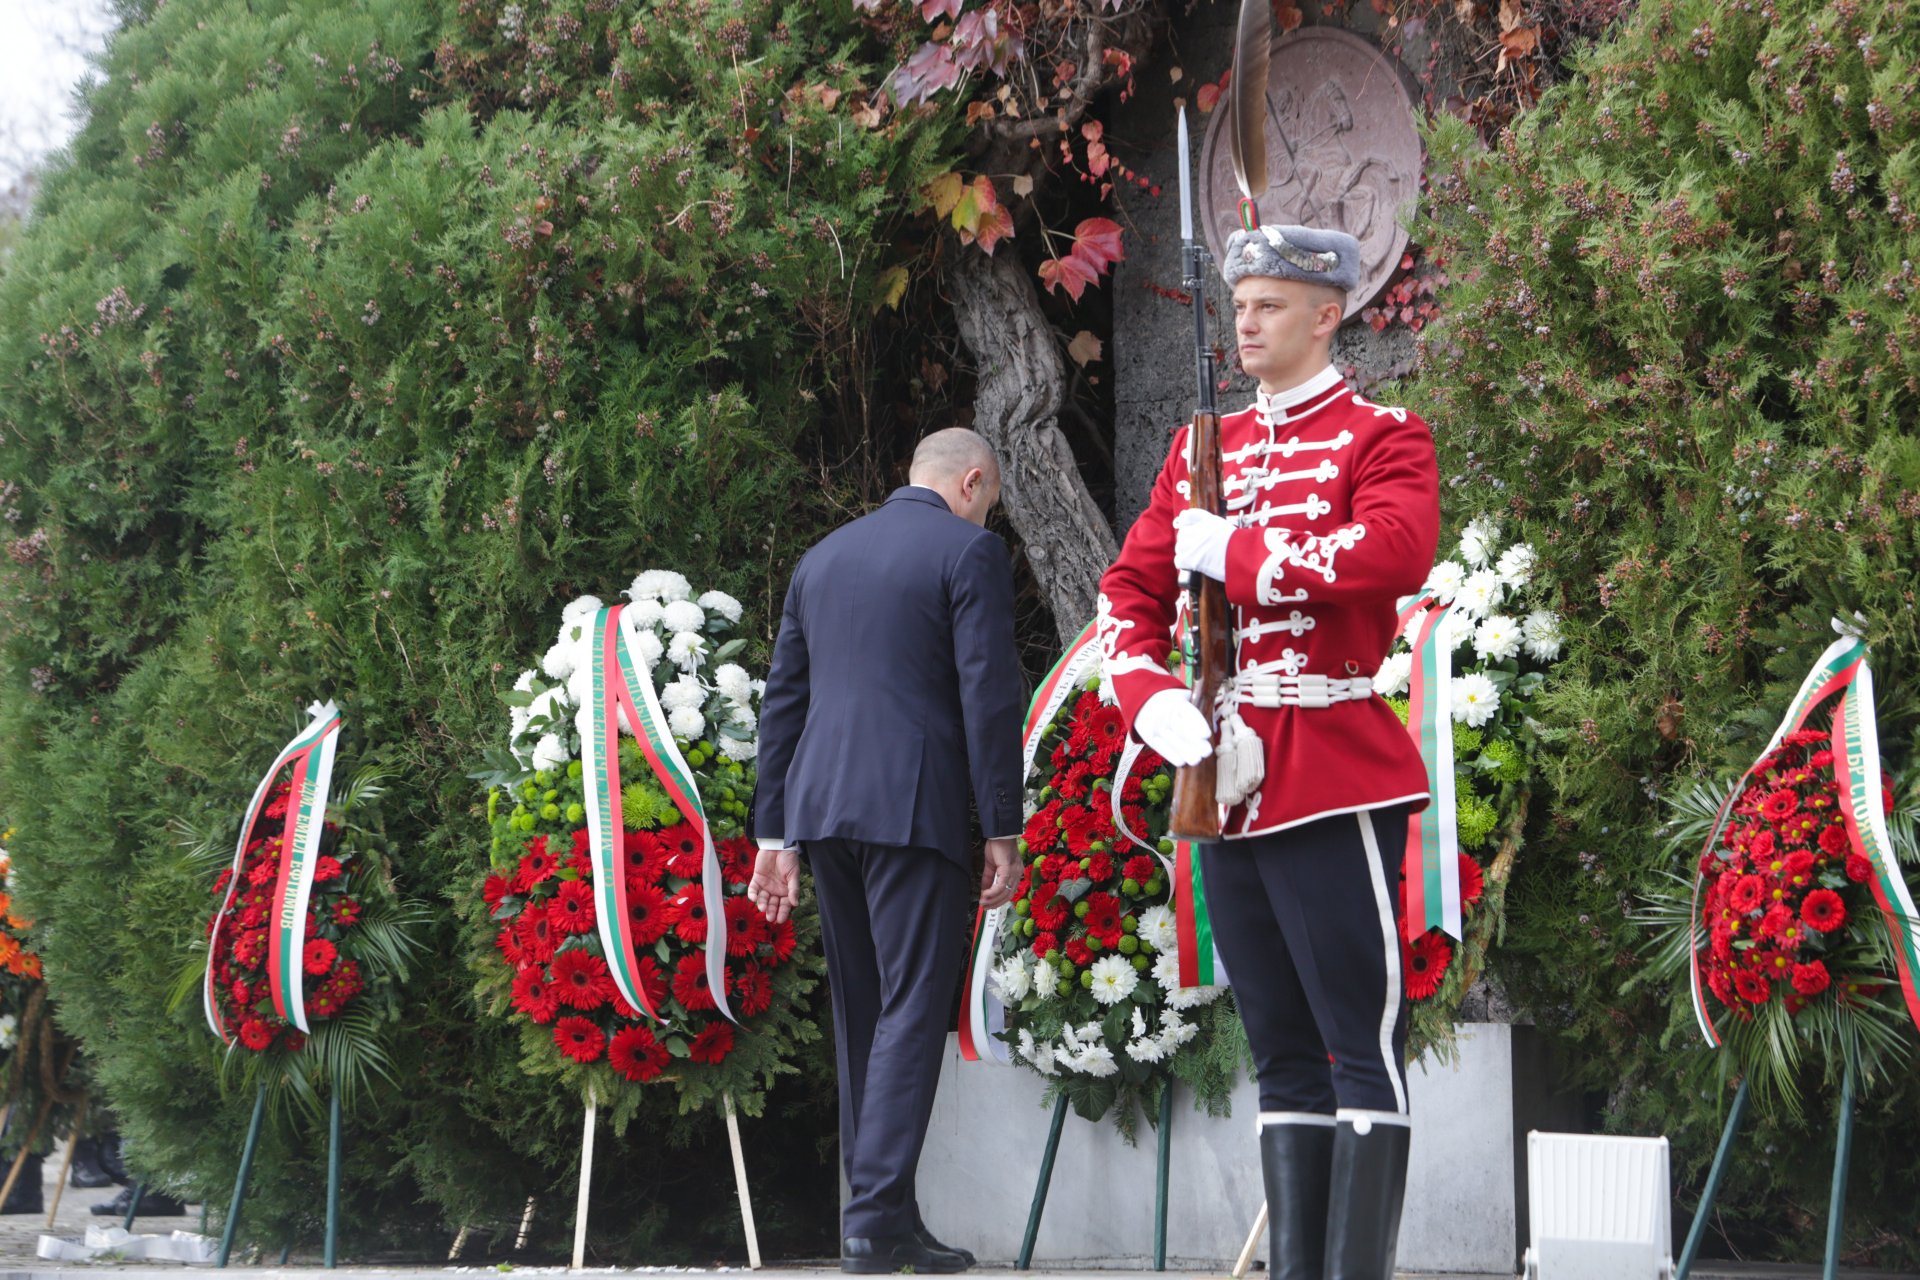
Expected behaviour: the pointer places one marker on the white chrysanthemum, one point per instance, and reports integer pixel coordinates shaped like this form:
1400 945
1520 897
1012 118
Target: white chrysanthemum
687 722
721 603
9 1031
1143 1047
1476 540
1455 629
1166 969
759 689
1516 565
519 717
684 692
663 585
732 679
1541 630
1097 1061
742 716
580 685
1040 1055
683 615
581 610
550 707
1444 579
1175 1030
1480 594
550 752
1046 980
741 749
650 647
1113 979
1159 928
647 614
1391 678
1474 699
560 660
687 649
1497 638
1011 980
525 683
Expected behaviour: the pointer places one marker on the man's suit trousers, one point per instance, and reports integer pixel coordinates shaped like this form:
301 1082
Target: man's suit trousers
1306 920
893 923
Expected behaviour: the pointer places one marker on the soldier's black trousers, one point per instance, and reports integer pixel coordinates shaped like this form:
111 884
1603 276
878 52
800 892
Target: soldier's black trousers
1306 921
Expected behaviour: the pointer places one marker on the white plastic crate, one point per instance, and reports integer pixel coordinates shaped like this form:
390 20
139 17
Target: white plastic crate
1598 1208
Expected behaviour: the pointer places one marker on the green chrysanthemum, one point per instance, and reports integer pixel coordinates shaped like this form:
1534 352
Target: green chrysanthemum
1476 819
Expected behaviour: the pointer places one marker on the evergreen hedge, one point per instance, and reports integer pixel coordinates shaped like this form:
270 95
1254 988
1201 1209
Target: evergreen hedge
348 343
1682 356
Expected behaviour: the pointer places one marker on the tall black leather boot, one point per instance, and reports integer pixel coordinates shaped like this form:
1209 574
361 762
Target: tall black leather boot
88 1170
1368 1185
1296 1155
27 1195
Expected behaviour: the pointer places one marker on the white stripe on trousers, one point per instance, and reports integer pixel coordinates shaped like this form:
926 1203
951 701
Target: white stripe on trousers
1391 935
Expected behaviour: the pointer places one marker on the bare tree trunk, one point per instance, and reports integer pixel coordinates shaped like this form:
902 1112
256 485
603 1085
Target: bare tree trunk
1020 387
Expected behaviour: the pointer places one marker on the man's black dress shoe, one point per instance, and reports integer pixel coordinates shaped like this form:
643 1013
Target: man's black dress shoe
925 1237
883 1255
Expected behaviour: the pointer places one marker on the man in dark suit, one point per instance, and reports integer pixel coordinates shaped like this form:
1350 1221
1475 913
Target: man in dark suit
895 681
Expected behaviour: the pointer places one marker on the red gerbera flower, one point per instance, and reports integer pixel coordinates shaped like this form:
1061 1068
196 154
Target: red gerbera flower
318 957
690 983
1048 909
579 1039
571 908
1721 985
653 983
582 842
325 869
1747 894
537 933
646 855
1779 805
536 865
256 1034
534 994
1799 872
262 871
346 911
636 1054
713 1044
240 993
1103 913
753 990
508 940
1042 831
690 914
1823 910
253 915
1751 986
1426 961
277 807
1859 868
742 938
221 881
783 940
685 851
250 948
647 909
1811 979
581 979
1473 884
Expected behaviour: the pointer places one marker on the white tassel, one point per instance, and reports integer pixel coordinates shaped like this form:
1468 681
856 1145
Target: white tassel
1242 761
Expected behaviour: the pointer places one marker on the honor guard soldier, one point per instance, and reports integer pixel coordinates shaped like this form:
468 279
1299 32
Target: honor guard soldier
1332 513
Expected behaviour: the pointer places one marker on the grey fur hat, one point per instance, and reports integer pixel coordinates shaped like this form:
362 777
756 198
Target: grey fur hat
1312 254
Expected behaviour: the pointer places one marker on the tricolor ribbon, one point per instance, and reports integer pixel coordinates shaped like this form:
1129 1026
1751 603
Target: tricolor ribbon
311 755
622 688
1842 669
1432 862
984 1016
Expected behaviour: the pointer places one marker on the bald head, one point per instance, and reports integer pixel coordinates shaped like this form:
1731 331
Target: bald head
959 465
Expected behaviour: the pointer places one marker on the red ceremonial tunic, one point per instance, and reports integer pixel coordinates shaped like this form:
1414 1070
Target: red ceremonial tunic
1337 503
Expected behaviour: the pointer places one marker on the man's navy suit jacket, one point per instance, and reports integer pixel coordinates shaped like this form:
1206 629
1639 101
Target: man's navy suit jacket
895 682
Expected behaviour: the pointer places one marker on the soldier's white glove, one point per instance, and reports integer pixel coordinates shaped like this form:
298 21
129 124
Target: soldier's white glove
1174 727
1200 543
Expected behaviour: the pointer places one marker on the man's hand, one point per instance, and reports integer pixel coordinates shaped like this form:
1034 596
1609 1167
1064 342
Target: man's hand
1001 875
1174 727
775 887
1200 542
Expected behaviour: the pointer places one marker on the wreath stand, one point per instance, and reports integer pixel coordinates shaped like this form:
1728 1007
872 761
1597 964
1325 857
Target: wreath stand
246 1170
586 1183
1159 1183
1837 1199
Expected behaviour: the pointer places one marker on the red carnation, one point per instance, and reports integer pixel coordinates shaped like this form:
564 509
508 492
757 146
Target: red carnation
1810 979
647 909
1779 805
690 914
1833 840
742 938
753 989
686 852
1140 868
325 869
318 957
1426 962
1473 884
255 1034
1859 868
1823 910
636 1054
571 909
346 911
579 1039
1078 953
534 995
537 933
1100 868
1747 894
536 865
1760 845
253 916
240 993
690 983
581 979
1751 986
1045 944
713 1044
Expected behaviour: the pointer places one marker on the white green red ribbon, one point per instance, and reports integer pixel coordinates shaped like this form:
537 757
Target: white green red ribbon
984 1016
1842 669
311 754
1432 862
621 686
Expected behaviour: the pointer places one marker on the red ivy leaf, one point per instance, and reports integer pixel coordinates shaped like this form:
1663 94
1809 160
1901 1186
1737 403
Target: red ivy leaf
1096 247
